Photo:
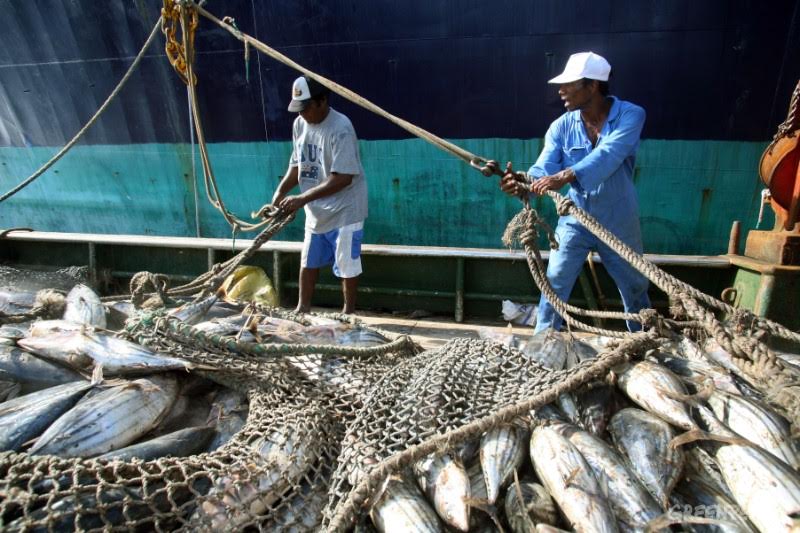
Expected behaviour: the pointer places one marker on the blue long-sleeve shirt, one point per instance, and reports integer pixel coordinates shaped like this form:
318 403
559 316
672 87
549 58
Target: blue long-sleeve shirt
604 173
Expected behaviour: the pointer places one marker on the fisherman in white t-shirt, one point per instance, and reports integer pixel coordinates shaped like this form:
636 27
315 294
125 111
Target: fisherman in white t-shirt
326 164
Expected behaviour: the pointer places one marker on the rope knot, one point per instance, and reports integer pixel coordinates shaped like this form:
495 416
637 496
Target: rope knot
650 319
563 205
148 290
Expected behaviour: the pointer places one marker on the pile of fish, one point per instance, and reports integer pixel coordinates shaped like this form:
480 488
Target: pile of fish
680 440
676 441
71 388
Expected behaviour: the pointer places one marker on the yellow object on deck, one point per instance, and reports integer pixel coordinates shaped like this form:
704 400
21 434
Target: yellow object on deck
250 284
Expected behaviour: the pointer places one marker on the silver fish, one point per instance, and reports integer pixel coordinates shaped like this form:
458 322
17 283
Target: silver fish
362 337
26 417
13 332
180 443
548 349
227 415
237 498
546 528
110 419
9 389
186 411
629 500
502 451
536 505
655 388
570 481
303 513
702 466
446 483
756 423
644 440
193 312
766 489
467 451
82 351
401 508
69 513
16 302
566 402
477 486
595 405
697 371
84 307
714 504
42 328
36 373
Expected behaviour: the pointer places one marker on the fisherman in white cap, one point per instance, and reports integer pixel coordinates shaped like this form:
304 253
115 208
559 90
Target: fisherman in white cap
592 148
326 164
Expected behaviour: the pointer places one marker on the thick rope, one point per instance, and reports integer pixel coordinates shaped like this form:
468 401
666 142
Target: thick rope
345 517
522 228
664 281
92 120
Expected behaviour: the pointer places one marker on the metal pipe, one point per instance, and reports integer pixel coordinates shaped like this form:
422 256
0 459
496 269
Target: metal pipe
459 290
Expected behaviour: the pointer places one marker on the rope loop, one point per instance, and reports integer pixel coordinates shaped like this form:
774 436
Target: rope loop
563 205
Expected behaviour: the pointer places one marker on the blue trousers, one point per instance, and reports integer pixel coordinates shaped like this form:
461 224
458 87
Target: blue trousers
565 265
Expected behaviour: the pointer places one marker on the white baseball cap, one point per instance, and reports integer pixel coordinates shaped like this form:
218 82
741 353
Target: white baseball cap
584 65
303 90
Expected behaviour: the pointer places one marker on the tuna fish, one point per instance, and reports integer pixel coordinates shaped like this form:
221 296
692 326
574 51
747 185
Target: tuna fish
766 489
110 419
401 508
16 302
756 423
26 417
629 500
34 372
362 337
656 389
446 483
85 307
178 444
9 389
228 415
570 481
697 371
645 440
535 507
502 451
595 405
237 498
702 466
709 502
82 351
193 312
13 332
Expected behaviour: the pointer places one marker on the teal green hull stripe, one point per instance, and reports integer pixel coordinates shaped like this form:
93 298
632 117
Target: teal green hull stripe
689 191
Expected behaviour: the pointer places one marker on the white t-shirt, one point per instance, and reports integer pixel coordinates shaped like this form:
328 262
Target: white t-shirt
319 150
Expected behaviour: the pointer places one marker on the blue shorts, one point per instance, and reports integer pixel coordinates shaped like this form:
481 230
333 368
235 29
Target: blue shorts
339 247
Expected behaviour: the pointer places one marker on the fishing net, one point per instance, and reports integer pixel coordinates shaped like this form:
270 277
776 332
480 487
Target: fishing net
325 423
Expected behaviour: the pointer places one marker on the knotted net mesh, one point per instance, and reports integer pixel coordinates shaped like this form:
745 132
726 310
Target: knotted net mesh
324 423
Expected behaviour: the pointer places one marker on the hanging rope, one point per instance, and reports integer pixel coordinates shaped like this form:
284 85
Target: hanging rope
92 120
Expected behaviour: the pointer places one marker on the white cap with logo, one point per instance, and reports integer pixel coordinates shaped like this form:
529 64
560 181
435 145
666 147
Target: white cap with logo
303 90
584 65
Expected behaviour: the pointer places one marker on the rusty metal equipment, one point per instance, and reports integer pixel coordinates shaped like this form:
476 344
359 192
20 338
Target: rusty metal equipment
768 277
